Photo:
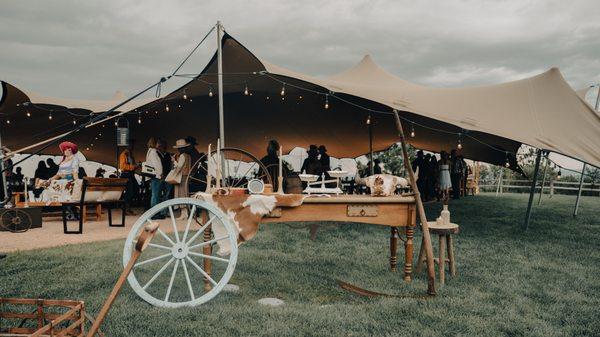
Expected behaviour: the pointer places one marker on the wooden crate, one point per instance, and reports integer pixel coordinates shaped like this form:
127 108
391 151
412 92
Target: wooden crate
41 317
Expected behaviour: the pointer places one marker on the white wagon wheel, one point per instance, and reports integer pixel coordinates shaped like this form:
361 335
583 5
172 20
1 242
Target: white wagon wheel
179 244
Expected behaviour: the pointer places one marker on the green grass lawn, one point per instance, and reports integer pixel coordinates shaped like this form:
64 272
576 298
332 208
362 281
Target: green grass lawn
543 282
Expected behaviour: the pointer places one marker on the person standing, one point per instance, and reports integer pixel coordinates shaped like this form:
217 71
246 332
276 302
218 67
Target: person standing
52 167
153 161
456 172
444 182
420 164
166 161
181 166
127 167
199 174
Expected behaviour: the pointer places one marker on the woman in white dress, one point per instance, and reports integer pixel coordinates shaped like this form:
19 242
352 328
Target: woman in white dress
444 180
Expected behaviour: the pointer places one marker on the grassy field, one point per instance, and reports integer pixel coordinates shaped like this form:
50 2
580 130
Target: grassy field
543 282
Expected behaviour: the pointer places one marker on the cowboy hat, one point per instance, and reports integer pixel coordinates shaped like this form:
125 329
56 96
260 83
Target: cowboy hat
181 143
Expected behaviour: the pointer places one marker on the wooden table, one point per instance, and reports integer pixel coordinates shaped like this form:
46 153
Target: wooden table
393 211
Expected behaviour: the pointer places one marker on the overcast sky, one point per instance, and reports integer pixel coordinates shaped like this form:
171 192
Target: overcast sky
90 49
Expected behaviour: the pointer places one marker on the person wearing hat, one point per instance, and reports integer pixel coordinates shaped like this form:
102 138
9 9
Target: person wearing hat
199 182
68 168
182 165
312 165
127 167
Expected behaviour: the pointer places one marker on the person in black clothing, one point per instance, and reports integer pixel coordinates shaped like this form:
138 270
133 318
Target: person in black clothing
377 166
199 173
81 173
41 172
432 177
271 162
167 165
52 168
456 172
18 175
325 161
100 172
423 166
312 165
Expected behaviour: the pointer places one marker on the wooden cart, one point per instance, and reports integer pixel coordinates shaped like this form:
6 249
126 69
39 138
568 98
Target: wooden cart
39 317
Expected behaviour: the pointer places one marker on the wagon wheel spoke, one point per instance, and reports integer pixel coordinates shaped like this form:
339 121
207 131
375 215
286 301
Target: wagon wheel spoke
200 231
174 223
156 245
171 282
205 243
209 257
237 169
202 271
189 222
196 179
152 259
160 271
187 280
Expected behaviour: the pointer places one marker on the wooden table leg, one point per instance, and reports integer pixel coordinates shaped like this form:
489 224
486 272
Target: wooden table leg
207 250
442 259
313 231
393 248
451 261
408 253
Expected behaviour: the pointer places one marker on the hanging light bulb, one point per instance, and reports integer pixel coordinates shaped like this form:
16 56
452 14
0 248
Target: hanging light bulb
283 90
300 97
246 90
369 120
74 121
507 163
267 98
50 116
28 114
8 121
115 123
412 130
326 101
210 92
459 145
184 95
559 174
166 107
139 118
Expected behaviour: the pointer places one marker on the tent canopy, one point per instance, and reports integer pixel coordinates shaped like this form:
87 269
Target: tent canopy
491 122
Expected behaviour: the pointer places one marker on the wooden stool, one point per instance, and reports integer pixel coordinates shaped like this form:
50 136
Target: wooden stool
445 237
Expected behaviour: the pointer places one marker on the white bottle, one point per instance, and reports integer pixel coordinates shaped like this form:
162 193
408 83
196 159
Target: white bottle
445 215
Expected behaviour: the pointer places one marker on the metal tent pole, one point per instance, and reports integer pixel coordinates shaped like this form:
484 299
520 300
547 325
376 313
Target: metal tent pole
543 177
532 190
372 165
579 191
220 83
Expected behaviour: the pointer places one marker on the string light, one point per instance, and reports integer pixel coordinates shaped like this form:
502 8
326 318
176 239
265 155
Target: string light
326 101
74 121
115 122
267 98
50 115
28 114
369 120
559 174
412 130
246 90
507 163
210 92
166 107
8 121
459 145
139 118
283 90
184 94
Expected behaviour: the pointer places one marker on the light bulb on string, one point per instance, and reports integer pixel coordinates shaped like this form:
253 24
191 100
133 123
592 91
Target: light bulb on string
166 107
8 121
74 121
246 92
87 148
184 95
369 120
459 145
28 114
326 101
283 90
50 116
412 130
210 92
507 163
115 123
559 174
139 118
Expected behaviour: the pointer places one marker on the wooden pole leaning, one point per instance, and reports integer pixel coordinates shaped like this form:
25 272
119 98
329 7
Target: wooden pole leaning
543 176
532 190
142 242
579 190
420 210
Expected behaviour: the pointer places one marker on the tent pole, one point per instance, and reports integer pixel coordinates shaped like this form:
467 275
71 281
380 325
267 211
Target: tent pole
220 83
543 177
420 210
4 189
532 190
372 165
579 190
500 180
597 98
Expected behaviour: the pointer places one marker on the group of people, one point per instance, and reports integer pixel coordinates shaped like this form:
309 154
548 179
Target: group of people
443 178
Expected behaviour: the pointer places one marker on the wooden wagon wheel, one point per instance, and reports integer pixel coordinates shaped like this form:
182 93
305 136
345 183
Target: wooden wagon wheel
16 221
181 244
238 167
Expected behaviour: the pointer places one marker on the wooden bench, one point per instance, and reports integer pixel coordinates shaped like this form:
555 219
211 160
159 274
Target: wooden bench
106 192
19 198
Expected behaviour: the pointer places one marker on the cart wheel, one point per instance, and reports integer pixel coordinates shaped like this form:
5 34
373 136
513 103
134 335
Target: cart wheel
181 243
16 221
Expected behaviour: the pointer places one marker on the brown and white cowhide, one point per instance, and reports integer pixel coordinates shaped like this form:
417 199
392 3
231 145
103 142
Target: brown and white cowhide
382 185
245 212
